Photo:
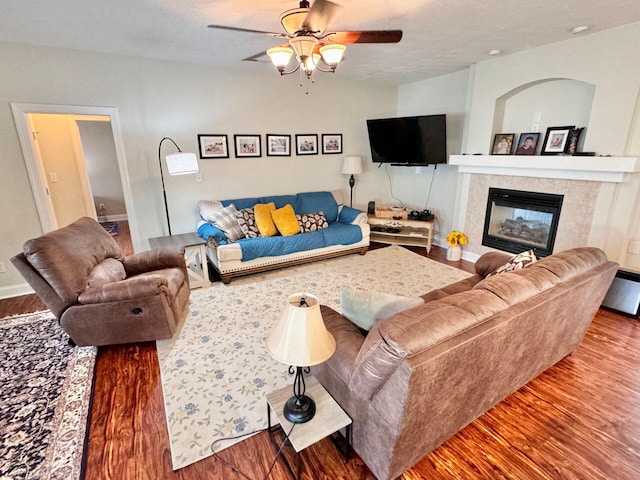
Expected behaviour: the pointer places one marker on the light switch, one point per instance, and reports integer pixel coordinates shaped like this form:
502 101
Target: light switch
198 177
53 177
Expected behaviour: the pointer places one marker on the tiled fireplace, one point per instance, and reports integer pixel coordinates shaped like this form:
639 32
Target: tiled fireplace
598 196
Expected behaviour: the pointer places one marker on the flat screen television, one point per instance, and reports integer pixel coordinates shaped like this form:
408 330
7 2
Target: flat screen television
409 141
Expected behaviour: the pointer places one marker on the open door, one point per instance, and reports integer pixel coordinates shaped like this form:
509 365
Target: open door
63 191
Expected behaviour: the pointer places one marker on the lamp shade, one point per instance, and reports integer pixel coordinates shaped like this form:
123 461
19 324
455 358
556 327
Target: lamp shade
352 165
182 163
299 337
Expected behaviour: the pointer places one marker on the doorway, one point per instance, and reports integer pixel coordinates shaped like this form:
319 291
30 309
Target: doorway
68 180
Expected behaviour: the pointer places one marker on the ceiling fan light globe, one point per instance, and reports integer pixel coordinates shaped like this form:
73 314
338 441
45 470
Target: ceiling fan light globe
303 45
332 54
280 56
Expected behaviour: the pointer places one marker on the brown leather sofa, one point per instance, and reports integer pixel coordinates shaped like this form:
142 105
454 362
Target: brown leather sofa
100 296
424 374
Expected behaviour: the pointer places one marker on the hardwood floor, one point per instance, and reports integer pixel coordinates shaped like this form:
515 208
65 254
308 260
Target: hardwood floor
578 420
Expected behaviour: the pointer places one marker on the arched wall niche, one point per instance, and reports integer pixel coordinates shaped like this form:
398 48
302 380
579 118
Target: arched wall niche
537 105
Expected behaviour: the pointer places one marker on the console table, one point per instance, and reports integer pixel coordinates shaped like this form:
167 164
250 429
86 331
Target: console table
195 255
412 232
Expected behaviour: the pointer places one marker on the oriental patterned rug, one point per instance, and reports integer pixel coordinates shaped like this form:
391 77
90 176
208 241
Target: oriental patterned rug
45 392
216 370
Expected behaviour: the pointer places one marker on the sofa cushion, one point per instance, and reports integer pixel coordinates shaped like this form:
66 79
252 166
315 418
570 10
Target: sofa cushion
365 308
107 271
517 262
247 221
263 219
311 202
226 221
311 222
285 220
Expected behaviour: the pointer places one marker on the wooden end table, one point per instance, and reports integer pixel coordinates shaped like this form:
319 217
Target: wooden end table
195 255
328 420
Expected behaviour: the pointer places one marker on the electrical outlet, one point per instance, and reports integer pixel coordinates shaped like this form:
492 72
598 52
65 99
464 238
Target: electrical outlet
634 246
3 269
198 177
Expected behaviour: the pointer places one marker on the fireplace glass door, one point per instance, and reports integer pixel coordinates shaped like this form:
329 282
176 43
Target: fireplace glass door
516 221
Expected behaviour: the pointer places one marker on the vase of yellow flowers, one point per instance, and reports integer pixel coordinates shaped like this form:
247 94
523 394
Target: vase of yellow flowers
455 239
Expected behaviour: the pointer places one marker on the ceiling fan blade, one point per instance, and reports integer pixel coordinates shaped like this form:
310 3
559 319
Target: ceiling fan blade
364 36
254 58
257 56
248 30
321 14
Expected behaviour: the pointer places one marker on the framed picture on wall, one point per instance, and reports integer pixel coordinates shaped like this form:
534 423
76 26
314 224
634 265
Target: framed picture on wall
555 140
527 143
278 145
307 144
213 146
247 145
331 143
502 143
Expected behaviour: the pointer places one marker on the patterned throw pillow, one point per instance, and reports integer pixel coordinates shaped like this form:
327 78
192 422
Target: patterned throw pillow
247 221
519 261
226 221
312 222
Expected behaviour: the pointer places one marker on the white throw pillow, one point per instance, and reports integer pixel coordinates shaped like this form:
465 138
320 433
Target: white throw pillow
208 208
226 221
365 308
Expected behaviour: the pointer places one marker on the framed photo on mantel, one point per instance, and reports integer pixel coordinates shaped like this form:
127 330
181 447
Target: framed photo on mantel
502 143
527 143
555 140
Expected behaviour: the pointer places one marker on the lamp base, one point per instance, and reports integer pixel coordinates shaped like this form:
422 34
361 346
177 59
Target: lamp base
299 409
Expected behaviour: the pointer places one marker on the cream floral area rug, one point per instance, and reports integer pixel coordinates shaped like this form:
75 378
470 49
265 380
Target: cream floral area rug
216 370
45 393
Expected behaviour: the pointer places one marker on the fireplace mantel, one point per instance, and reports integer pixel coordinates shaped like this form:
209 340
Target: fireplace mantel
595 169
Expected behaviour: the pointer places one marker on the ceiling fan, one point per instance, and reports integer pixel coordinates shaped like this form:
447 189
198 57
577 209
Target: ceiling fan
307 36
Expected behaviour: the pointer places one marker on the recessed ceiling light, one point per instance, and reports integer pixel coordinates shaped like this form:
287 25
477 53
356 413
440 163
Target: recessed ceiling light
579 29
495 52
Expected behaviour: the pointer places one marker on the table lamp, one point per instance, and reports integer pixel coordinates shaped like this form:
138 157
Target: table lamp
300 339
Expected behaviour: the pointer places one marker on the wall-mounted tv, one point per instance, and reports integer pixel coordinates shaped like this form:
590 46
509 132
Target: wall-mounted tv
409 141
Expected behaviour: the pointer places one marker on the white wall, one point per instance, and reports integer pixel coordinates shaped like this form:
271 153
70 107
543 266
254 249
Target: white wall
446 94
180 100
101 161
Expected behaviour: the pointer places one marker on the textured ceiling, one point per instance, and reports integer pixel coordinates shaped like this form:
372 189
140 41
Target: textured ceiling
440 36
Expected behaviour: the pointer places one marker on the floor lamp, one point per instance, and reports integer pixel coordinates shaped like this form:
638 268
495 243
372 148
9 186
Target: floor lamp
177 164
352 166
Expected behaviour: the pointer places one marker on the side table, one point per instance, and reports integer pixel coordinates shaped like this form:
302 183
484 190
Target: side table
409 232
329 419
195 255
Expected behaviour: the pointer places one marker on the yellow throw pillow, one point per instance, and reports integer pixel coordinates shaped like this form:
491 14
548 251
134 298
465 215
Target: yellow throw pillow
285 220
265 224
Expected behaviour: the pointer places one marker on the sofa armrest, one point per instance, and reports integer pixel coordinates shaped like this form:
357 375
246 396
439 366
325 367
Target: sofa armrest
488 262
157 259
128 289
349 340
352 216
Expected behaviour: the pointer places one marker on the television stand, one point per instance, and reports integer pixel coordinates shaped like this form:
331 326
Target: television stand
402 232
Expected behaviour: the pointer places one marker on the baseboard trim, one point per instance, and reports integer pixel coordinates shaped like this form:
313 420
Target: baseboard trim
117 218
15 290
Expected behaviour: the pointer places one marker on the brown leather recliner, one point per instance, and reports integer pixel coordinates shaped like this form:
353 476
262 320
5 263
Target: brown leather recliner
100 296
